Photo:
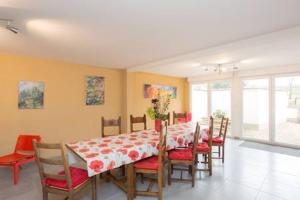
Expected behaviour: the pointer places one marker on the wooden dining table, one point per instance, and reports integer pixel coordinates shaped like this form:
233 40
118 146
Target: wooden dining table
104 154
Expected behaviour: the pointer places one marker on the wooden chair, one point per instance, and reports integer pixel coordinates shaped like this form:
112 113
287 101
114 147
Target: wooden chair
23 153
110 123
137 120
205 148
219 141
67 182
184 156
179 117
153 165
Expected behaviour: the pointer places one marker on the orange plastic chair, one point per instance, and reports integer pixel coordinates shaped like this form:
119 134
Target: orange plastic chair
24 153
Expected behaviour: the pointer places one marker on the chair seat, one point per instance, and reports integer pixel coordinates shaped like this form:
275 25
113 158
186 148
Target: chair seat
148 163
181 154
181 120
215 140
13 158
78 176
203 148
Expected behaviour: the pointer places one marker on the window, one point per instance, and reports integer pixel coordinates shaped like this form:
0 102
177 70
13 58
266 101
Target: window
287 110
199 102
256 109
221 103
211 99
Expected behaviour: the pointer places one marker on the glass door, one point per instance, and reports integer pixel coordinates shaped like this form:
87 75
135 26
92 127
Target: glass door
287 110
256 109
200 102
221 103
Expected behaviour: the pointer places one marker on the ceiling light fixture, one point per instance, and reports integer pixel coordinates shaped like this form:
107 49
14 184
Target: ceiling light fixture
219 68
7 23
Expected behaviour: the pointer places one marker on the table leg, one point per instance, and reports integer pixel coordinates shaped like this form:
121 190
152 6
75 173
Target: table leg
130 181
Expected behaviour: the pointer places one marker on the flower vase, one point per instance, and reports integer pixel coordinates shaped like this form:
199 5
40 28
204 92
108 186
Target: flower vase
157 125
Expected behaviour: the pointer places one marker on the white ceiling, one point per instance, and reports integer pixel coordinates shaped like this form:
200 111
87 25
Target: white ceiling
169 37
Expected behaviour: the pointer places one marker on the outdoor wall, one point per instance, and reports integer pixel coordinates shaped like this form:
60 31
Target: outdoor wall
65 117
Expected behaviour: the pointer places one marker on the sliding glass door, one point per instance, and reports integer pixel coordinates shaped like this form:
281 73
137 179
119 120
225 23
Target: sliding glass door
221 103
287 110
256 109
212 99
200 102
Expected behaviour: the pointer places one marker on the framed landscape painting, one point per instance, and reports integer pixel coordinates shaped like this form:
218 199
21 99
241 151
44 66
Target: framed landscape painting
31 95
94 90
151 91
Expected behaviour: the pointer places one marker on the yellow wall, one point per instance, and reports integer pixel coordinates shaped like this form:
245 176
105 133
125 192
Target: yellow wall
65 116
138 104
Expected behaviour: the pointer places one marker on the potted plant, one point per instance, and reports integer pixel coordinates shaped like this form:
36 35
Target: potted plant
159 108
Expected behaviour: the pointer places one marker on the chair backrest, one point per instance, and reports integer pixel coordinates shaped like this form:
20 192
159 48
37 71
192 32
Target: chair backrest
110 123
210 131
223 127
62 161
24 143
188 117
162 147
177 116
196 139
137 120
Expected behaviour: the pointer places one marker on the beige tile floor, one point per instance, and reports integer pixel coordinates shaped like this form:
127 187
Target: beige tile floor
248 174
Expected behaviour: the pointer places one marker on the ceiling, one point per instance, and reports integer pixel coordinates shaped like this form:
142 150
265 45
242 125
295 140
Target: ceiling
172 37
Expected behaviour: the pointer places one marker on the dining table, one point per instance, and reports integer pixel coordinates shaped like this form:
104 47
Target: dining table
104 154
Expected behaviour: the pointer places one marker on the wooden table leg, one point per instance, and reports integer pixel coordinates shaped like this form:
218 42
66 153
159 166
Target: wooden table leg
130 183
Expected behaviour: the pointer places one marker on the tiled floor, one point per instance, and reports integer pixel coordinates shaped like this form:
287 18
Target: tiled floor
247 174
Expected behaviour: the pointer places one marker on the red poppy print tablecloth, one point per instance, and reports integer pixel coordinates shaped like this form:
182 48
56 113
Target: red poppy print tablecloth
102 154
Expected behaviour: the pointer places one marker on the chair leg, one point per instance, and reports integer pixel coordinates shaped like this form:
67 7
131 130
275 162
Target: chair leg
193 174
123 171
169 172
163 177
190 170
160 184
172 170
16 169
142 178
45 195
210 163
134 184
219 151
223 153
107 176
94 188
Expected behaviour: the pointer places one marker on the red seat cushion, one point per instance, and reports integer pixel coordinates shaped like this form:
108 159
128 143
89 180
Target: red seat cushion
216 140
148 163
78 177
203 148
181 154
181 120
13 158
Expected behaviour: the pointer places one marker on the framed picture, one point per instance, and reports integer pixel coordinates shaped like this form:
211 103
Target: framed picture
31 95
151 91
94 90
